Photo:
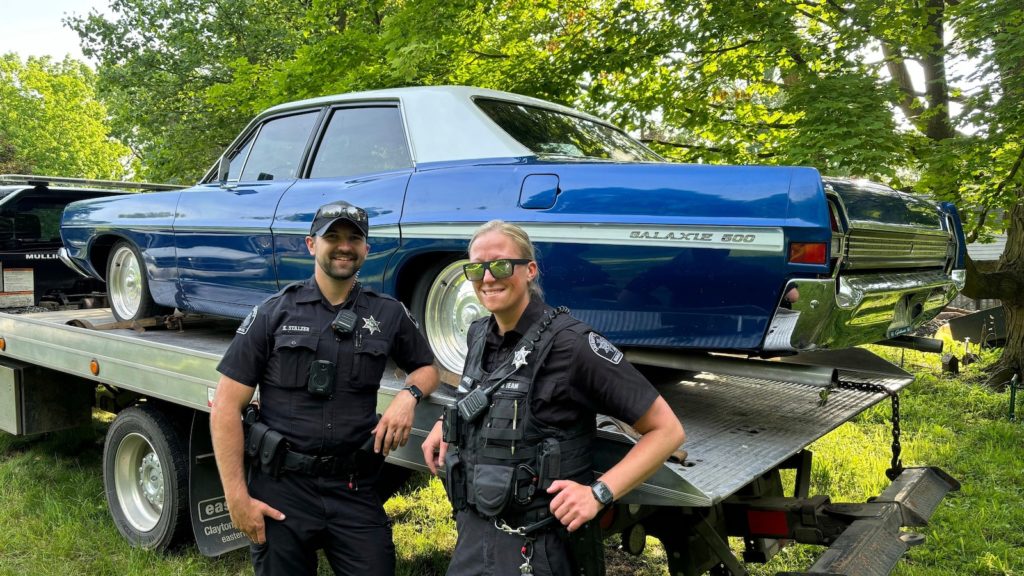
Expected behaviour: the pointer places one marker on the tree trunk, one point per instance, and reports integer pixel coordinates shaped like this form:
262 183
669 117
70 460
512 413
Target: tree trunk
1006 283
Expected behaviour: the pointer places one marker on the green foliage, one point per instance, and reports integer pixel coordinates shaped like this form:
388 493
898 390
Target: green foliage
52 123
157 59
825 84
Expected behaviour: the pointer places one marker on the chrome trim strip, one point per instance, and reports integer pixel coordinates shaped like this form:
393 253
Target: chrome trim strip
896 227
754 239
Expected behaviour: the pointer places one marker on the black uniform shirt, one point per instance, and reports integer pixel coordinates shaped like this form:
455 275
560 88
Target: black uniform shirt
590 375
281 337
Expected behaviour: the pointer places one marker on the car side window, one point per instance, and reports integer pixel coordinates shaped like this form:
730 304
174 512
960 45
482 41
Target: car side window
362 141
277 149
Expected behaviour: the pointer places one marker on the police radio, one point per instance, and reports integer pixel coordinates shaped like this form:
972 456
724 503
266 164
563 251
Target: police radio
473 404
345 322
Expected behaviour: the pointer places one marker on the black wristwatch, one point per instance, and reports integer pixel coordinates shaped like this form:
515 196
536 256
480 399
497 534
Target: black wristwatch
415 391
602 493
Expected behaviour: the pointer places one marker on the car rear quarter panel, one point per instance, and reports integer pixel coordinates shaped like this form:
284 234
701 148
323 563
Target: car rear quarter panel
145 220
612 245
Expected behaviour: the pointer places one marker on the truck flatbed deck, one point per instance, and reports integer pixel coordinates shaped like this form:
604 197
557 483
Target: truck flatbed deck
737 428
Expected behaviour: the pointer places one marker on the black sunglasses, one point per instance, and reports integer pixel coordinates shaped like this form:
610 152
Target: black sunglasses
335 210
500 268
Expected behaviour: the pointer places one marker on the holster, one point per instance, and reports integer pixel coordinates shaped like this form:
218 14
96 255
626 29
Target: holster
365 461
549 463
587 550
455 480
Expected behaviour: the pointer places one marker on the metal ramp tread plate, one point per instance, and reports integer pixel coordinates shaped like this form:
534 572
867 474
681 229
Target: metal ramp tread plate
738 428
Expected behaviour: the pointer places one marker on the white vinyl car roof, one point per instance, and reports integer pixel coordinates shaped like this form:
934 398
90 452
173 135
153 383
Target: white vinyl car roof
443 122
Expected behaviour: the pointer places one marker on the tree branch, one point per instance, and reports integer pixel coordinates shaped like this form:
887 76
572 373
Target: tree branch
1012 175
487 55
683 146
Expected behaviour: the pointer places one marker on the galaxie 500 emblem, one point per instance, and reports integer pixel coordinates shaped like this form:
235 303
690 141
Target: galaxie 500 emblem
724 237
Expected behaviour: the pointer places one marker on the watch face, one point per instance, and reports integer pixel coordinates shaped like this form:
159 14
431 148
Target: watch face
602 493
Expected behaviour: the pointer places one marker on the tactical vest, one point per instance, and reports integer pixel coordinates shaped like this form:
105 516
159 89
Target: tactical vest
501 462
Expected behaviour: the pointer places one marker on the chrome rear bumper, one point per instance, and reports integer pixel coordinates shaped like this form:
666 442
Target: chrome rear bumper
859 309
64 257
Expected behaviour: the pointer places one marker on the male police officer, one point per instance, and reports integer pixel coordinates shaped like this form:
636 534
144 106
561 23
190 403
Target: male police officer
317 350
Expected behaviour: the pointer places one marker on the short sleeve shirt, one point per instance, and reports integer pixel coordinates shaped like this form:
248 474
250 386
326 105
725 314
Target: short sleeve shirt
275 345
583 375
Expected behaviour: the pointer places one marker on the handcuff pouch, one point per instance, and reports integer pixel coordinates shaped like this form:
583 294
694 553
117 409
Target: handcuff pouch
272 452
254 436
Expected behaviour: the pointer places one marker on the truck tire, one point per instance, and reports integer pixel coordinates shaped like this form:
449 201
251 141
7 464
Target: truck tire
127 285
445 304
145 474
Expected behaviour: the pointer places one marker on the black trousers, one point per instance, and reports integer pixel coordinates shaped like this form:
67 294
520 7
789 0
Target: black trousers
484 550
349 524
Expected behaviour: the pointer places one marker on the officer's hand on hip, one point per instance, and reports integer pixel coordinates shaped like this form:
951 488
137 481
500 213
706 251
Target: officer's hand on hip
435 448
393 429
574 504
248 518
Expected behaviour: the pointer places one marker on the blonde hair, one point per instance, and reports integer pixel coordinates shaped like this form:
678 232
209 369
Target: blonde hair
521 240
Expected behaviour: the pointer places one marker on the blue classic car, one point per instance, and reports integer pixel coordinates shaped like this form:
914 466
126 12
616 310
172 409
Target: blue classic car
749 259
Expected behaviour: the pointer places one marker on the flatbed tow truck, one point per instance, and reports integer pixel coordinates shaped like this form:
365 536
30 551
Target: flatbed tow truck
746 421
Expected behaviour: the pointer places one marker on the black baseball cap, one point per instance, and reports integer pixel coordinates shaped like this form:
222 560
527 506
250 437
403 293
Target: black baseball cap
328 214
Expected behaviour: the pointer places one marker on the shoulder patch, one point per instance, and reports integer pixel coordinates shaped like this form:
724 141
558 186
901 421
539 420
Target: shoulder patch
603 348
243 328
409 314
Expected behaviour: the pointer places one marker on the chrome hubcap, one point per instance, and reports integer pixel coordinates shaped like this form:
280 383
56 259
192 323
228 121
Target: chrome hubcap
451 307
125 283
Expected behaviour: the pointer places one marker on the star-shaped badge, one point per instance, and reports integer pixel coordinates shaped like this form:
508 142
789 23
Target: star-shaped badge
520 357
371 324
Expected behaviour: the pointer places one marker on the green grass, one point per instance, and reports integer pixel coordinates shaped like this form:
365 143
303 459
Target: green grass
54 518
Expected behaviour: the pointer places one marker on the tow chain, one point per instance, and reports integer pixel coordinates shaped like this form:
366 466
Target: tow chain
896 465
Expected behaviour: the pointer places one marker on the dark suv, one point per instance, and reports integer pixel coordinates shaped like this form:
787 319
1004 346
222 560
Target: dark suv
30 212
29 240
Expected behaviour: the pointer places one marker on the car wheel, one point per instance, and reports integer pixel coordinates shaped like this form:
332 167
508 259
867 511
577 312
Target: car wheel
127 286
445 303
146 479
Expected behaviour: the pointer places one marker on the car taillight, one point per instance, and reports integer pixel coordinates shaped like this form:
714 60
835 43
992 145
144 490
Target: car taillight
837 234
807 252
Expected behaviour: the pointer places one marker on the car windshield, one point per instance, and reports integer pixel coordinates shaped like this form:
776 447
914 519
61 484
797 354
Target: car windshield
549 133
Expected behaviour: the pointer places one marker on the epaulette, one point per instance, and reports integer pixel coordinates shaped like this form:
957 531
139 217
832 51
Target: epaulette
376 294
286 289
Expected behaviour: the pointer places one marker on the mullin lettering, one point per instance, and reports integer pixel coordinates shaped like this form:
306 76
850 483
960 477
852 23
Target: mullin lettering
684 236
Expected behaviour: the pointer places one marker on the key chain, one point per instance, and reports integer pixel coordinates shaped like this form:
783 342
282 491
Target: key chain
526 569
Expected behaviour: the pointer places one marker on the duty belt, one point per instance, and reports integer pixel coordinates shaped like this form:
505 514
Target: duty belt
318 465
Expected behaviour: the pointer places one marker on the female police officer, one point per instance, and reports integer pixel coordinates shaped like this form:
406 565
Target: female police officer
517 449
